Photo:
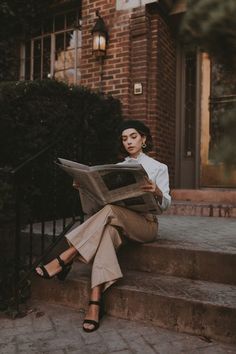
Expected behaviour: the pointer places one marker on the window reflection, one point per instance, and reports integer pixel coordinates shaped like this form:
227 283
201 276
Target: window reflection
223 96
56 51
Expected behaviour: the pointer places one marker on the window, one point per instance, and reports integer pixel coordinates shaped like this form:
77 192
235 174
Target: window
222 100
54 50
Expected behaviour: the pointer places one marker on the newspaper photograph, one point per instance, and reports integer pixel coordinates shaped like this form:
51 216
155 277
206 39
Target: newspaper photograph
111 184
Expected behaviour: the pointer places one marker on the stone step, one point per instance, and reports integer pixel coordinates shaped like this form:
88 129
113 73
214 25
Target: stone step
201 209
212 195
203 202
190 247
195 307
171 259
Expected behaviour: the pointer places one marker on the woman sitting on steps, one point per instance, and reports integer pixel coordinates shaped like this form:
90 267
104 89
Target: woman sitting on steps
98 238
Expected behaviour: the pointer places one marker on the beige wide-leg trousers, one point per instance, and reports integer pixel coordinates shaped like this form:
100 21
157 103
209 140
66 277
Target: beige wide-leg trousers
99 237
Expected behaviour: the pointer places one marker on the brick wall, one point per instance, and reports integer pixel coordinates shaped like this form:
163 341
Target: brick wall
141 49
163 87
116 68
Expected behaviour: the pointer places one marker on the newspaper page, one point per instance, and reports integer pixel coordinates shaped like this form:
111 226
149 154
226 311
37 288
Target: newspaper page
111 184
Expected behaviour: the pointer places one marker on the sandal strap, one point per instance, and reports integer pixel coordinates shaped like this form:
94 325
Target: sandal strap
98 303
61 262
95 323
44 270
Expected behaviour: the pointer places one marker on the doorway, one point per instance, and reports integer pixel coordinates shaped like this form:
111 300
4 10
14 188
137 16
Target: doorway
187 118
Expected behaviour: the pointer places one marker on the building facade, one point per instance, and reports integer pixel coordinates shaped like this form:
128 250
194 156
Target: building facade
179 92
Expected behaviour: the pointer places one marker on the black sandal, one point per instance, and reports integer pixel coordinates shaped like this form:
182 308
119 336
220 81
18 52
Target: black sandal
65 268
93 322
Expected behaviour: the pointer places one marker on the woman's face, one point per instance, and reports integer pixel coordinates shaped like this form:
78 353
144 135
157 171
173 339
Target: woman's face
132 141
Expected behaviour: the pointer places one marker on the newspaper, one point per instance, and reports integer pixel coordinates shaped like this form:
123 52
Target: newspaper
111 184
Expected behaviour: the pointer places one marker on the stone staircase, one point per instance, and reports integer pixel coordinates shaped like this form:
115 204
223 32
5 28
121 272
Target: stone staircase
185 281
203 202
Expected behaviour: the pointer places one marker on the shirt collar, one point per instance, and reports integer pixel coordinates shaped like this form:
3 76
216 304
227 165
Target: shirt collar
137 159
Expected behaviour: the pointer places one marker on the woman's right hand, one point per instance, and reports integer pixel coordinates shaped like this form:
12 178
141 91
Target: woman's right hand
76 184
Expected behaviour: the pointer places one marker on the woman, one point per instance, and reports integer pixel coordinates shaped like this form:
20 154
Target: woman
98 239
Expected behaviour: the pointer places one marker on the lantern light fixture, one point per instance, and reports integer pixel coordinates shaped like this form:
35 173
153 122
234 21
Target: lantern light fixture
100 37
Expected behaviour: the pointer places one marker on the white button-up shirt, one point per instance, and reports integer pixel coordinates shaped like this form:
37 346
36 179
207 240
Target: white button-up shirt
158 173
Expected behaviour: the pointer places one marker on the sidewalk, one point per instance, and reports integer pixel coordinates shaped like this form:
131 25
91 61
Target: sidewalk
53 329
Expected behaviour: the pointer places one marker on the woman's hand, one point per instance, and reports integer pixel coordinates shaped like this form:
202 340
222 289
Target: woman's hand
76 184
151 187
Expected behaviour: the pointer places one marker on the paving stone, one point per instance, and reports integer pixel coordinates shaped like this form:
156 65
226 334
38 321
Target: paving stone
114 336
38 336
28 348
140 346
113 340
211 350
8 348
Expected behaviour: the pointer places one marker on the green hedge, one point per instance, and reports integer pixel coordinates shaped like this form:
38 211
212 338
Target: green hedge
35 114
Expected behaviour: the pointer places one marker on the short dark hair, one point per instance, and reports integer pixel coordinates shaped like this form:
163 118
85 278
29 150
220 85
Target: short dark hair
141 128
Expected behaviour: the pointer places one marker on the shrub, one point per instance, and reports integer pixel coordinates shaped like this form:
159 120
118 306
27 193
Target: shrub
80 122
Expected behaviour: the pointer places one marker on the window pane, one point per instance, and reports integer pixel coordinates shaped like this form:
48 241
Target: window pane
59 43
70 39
27 60
46 56
59 22
79 39
37 59
71 19
223 94
70 59
47 25
37 29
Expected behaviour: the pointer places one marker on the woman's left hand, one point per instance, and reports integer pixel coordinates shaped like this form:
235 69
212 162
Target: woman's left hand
151 187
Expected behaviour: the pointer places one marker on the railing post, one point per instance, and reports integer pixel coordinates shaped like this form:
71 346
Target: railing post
17 242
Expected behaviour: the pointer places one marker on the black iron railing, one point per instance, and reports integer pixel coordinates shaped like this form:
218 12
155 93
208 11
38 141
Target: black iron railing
44 208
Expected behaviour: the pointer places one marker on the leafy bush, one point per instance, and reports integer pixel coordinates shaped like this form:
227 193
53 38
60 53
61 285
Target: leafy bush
81 123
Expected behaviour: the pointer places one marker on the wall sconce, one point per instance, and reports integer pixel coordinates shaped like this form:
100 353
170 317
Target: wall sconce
100 37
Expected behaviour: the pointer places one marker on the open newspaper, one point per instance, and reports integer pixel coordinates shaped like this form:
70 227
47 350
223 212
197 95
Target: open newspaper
111 184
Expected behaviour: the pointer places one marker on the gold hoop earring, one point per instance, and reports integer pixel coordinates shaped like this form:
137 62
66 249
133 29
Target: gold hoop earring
144 145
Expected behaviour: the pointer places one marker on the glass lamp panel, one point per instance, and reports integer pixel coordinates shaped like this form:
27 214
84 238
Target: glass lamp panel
102 42
96 41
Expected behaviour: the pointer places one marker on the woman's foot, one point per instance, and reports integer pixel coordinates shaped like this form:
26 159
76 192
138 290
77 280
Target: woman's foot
94 314
56 267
